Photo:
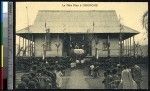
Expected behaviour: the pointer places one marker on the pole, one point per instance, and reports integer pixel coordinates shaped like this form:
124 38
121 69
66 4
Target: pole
19 45
23 43
108 45
25 47
28 47
120 38
126 47
130 48
123 47
133 46
58 44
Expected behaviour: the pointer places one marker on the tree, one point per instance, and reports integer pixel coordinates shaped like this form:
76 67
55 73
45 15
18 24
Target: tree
145 20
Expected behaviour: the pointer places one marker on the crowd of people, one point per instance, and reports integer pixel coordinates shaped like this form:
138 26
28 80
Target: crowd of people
43 75
47 74
117 76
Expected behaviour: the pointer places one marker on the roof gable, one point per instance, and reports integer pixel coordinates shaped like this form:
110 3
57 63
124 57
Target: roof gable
94 21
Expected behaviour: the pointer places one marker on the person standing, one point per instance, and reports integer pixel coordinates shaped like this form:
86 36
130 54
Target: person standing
82 63
58 78
77 63
107 80
127 81
137 75
92 70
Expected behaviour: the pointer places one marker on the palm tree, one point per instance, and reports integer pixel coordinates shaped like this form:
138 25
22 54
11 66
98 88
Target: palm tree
145 20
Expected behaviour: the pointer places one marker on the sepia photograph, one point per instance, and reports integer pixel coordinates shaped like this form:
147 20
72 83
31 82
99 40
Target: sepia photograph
81 45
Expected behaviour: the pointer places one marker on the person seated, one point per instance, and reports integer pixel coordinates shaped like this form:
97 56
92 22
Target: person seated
77 61
82 61
76 46
107 80
96 71
115 79
36 82
73 65
26 80
32 85
22 85
52 76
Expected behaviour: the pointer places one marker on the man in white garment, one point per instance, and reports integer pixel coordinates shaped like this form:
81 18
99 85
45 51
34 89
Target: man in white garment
92 67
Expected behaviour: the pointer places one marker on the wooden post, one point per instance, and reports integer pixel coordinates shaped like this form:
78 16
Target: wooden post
19 46
123 47
127 46
130 48
58 44
32 45
96 49
23 43
28 47
25 46
108 44
133 46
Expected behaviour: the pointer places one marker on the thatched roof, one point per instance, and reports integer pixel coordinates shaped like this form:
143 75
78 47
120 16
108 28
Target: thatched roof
94 21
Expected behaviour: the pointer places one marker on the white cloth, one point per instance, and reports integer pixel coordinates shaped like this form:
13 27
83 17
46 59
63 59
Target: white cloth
77 61
78 51
92 67
82 61
73 65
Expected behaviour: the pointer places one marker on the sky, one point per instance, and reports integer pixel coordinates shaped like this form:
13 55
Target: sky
130 13
5 7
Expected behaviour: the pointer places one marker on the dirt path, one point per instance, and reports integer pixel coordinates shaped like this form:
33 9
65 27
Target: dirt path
77 80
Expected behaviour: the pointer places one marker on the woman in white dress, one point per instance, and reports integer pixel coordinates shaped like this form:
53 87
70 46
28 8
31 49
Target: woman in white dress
127 81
